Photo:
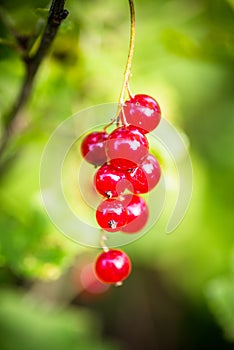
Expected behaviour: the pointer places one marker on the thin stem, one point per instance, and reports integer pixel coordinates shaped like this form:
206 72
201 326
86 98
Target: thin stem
129 91
127 73
103 239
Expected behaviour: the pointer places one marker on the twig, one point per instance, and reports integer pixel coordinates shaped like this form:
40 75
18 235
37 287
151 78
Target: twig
57 14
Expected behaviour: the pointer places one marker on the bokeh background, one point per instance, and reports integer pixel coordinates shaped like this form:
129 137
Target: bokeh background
181 292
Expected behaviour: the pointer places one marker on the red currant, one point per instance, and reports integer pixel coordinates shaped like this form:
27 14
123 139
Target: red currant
110 182
93 147
126 147
143 112
146 176
138 213
111 215
112 266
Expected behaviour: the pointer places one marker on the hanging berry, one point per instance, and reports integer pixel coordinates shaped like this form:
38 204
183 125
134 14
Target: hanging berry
111 215
111 182
146 176
113 266
143 112
126 147
93 147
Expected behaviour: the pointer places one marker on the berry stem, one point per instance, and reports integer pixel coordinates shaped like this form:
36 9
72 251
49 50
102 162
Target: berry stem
127 73
103 238
129 91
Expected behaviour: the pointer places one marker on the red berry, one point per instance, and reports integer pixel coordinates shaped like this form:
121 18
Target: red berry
143 112
112 266
138 213
126 147
109 181
111 215
93 147
146 176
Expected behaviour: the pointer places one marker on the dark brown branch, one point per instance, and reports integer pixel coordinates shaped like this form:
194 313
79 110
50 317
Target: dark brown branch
57 14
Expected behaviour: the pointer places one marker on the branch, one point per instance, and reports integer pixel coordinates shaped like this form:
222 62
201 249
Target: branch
57 14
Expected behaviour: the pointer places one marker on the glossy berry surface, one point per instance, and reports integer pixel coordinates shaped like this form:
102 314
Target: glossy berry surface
109 181
93 147
111 215
146 176
126 147
138 213
112 266
143 112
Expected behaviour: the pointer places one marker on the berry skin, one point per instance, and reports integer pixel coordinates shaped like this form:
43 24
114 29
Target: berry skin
109 181
112 266
143 112
111 215
126 147
93 147
138 213
146 176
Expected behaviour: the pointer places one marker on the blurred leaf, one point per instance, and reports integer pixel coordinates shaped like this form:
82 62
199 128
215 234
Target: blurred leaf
26 324
231 3
29 249
181 44
42 12
6 42
220 298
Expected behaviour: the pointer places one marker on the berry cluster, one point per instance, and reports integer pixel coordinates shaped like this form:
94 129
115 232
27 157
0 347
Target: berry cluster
126 170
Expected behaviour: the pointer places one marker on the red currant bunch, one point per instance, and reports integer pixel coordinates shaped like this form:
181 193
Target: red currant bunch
126 171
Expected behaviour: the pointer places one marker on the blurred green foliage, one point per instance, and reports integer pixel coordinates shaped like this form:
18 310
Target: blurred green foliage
184 57
220 298
49 328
